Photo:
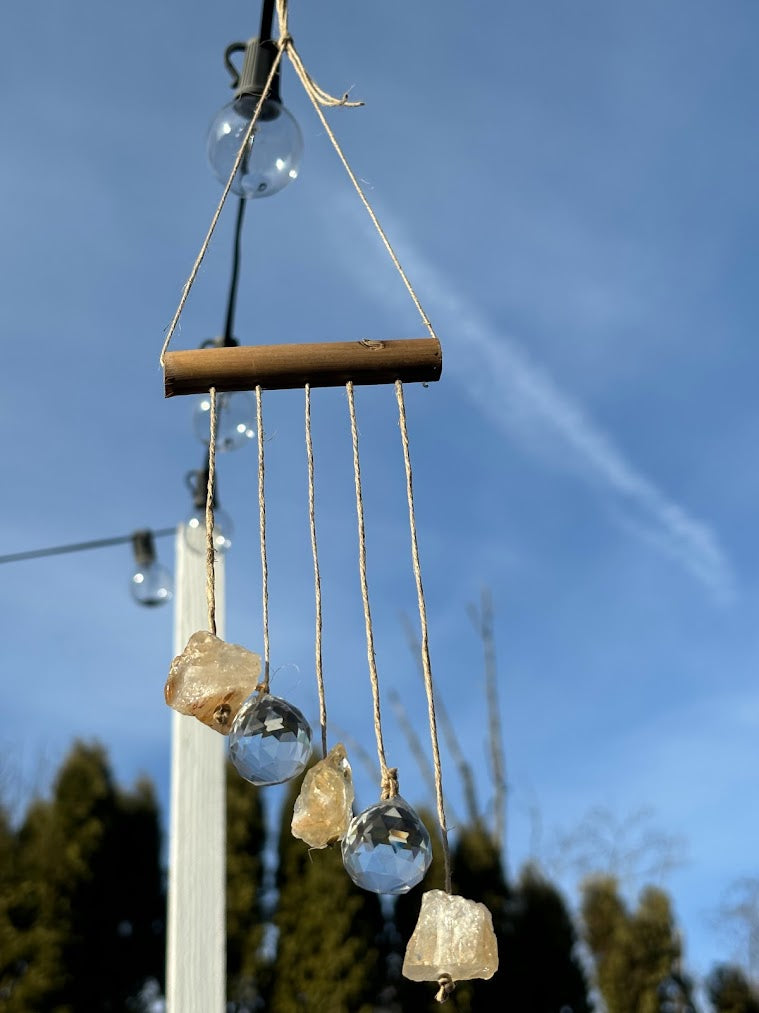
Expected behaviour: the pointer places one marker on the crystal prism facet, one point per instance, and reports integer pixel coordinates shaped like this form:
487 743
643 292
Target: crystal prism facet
324 807
452 936
387 848
210 679
270 740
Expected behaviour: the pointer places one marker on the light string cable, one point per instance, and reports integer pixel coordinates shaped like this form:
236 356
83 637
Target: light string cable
229 322
317 577
97 543
424 645
263 686
210 496
389 775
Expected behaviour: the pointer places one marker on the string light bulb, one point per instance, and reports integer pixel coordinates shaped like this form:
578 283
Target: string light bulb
195 530
151 583
195 522
272 158
235 415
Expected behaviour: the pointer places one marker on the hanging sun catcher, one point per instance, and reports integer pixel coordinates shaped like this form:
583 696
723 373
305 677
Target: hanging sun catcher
386 848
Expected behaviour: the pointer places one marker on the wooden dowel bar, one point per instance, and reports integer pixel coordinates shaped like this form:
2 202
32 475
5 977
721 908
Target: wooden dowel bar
285 367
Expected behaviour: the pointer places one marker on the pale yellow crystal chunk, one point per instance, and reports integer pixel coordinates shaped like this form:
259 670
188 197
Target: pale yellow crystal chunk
452 936
211 679
324 807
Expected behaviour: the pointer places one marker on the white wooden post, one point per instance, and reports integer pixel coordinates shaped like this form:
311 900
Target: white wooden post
196 931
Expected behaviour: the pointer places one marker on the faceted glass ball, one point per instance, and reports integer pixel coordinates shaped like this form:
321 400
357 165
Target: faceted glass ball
270 740
387 848
274 151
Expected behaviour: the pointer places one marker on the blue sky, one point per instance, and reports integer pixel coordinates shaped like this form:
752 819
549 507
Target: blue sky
572 189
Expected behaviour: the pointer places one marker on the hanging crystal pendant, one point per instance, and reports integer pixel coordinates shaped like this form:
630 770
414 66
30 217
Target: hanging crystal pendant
270 740
324 808
454 937
387 848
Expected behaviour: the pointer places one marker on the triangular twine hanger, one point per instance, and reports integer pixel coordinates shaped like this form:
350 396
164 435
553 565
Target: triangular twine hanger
289 366
281 367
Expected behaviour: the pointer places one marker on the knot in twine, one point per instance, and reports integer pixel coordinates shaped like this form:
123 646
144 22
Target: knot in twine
389 783
447 987
315 92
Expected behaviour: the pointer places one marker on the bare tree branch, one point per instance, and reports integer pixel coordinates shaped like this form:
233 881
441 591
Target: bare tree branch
482 620
463 768
417 751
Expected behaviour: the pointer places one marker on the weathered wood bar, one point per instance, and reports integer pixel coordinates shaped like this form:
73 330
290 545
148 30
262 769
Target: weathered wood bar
285 367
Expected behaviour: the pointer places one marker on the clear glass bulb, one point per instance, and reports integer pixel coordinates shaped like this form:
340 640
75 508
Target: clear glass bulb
235 419
152 584
274 151
195 530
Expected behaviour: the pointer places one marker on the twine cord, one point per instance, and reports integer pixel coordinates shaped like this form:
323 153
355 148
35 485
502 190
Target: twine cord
425 648
286 43
210 559
389 776
263 686
321 98
222 201
372 214
317 578
446 986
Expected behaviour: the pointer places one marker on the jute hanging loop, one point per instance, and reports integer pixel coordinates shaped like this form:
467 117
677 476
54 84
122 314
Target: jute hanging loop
317 576
446 987
388 776
286 43
319 97
263 686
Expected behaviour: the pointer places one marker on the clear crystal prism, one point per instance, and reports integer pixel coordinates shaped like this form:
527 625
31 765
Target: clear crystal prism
387 848
270 740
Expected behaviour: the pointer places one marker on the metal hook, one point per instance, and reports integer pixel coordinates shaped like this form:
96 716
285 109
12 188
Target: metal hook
234 73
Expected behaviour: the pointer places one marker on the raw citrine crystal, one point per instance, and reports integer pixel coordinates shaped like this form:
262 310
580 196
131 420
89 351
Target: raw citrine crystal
324 807
210 679
453 937
387 848
270 740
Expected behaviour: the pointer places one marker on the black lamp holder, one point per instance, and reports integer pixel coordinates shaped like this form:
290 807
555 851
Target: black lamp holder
259 57
143 548
197 483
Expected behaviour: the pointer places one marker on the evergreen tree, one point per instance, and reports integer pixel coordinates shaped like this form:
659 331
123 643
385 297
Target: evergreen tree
87 898
636 954
330 955
33 965
546 973
139 889
8 935
478 875
17 906
246 834
730 992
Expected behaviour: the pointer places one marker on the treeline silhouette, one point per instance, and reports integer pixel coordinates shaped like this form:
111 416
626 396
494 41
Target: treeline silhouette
82 920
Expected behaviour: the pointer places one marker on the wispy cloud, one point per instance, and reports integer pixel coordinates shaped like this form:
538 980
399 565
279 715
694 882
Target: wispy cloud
495 370
523 400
